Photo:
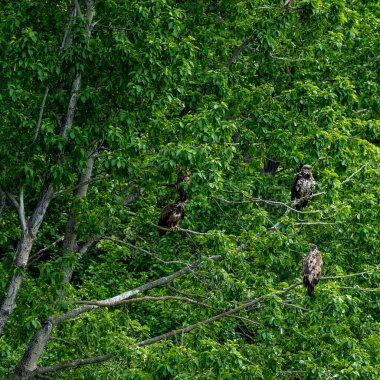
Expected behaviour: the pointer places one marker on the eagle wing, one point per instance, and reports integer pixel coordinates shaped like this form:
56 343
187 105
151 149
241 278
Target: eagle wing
295 191
312 269
164 220
170 216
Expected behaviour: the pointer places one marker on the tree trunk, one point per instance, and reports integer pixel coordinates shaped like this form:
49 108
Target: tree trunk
22 255
35 348
70 240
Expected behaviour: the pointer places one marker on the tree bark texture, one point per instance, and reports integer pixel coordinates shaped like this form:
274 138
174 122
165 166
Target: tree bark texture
22 255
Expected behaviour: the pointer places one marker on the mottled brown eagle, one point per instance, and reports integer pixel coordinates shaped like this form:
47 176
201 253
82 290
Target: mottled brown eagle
312 269
303 186
173 213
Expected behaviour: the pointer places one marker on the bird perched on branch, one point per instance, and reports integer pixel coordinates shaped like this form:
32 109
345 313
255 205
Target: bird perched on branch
173 213
303 186
312 269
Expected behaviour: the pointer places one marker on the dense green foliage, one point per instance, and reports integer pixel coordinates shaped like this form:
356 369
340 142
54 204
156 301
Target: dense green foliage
218 87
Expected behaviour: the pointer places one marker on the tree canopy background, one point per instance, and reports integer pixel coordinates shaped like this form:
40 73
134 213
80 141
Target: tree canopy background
103 104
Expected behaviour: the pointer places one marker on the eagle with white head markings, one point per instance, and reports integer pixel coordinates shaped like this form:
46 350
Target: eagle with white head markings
312 269
303 186
173 213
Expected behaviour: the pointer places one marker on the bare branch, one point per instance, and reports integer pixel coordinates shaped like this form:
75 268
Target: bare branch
72 364
360 289
313 223
3 201
19 207
346 276
143 299
355 172
123 296
131 197
77 8
13 200
289 59
230 312
215 318
65 40
72 104
237 51
90 12
42 109
143 250
266 201
171 287
38 254
76 187
21 210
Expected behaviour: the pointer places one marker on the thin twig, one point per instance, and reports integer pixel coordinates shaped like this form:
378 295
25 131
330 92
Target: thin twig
180 229
313 223
355 172
266 201
360 289
345 276
76 187
38 254
143 250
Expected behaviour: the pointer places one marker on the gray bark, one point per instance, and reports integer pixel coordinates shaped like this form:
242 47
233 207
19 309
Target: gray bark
70 241
37 345
30 230
31 227
35 348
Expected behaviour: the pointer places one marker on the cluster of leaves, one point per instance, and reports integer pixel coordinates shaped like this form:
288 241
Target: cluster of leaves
220 88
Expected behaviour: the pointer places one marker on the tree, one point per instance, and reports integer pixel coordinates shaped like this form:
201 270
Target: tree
104 105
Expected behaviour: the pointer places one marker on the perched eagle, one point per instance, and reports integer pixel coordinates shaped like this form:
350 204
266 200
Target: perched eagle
173 213
312 268
303 186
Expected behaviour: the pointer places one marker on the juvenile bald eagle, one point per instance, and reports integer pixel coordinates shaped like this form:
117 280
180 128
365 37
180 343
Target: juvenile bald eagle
173 213
303 186
312 268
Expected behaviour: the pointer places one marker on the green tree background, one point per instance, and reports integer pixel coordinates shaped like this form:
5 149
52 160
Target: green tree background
103 104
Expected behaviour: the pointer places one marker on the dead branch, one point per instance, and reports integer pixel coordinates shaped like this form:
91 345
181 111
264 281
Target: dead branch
72 364
266 201
123 296
355 172
143 299
143 250
33 258
215 318
237 52
42 109
345 276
